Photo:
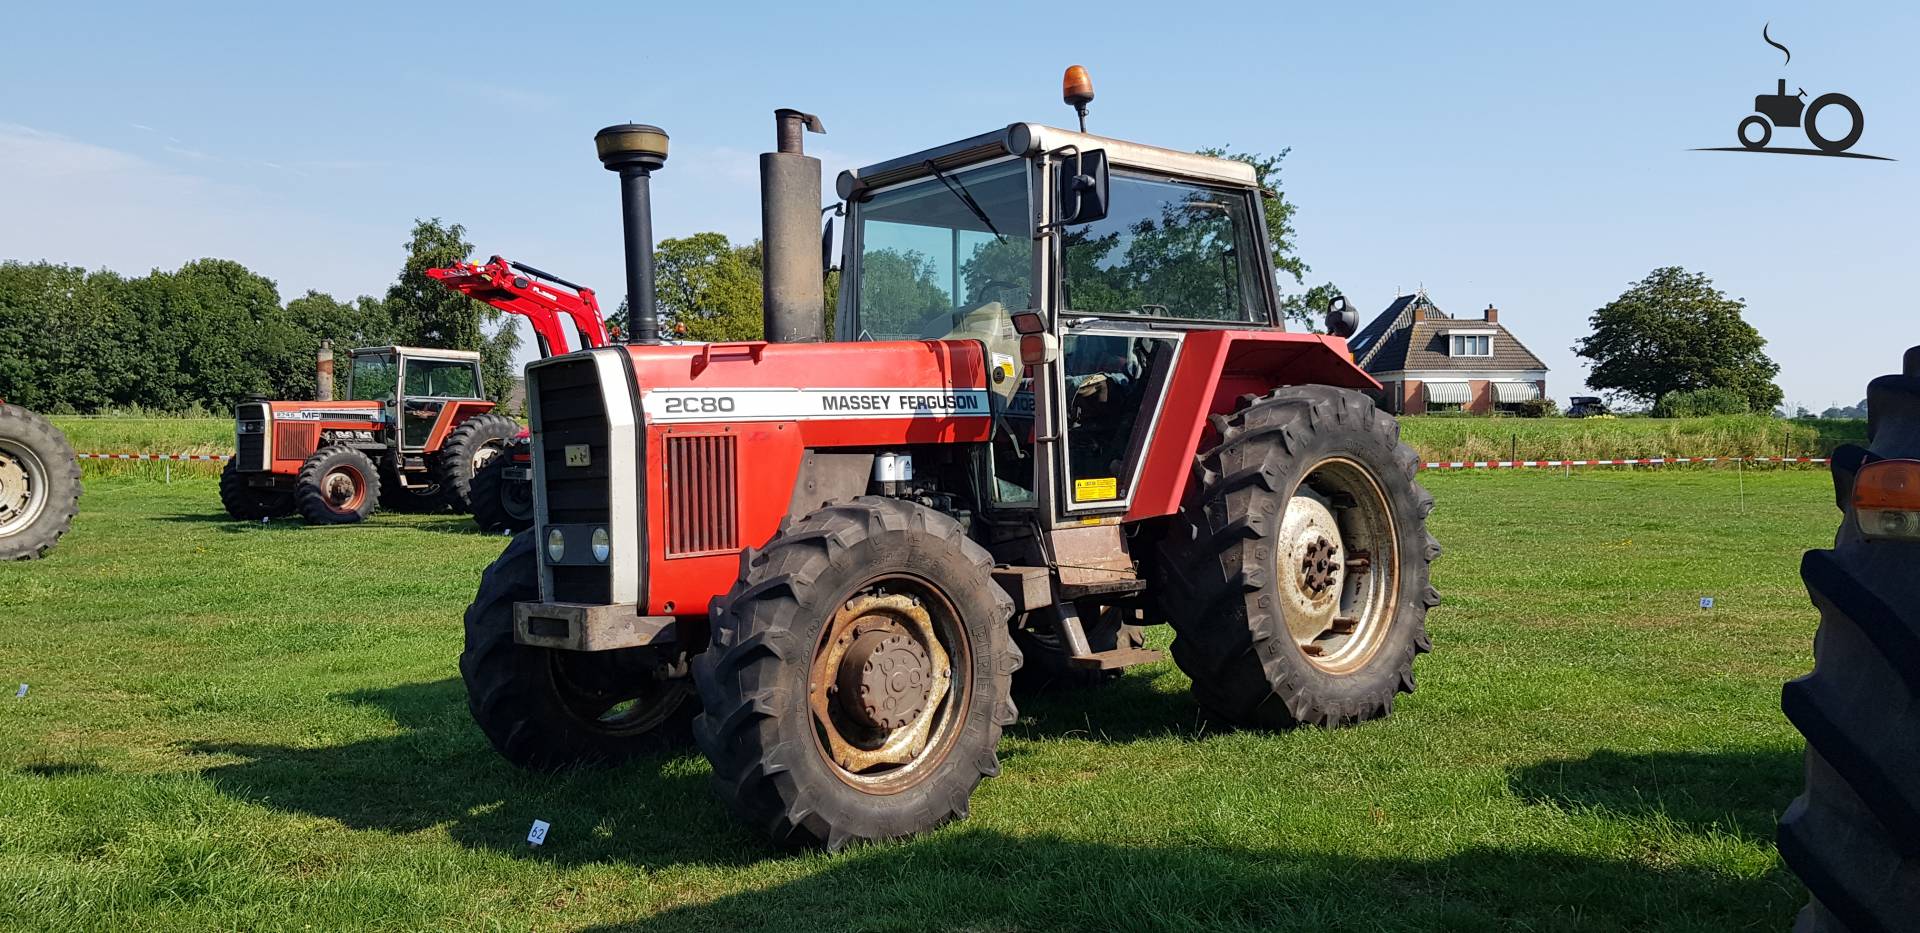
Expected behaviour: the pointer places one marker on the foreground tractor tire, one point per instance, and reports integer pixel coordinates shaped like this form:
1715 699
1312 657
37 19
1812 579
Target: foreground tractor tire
1044 655
338 485
471 446
548 710
858 676
501 504
39 484
1296 582
1853 835
248 503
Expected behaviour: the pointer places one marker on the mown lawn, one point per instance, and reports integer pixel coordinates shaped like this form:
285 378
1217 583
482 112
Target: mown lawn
246 727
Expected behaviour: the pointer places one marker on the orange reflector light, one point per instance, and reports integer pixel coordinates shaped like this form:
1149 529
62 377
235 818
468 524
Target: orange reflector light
1886 499
1076 88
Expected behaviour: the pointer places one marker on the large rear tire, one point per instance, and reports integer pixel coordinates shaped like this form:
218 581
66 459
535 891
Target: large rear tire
245 502
857 681
1853 835
1296 581
547 710
501 504
39 484
469 448
338 485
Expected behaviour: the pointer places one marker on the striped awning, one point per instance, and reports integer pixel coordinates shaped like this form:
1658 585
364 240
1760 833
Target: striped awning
1506 392
1449 393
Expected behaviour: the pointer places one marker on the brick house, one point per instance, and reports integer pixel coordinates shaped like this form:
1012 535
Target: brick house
1428 361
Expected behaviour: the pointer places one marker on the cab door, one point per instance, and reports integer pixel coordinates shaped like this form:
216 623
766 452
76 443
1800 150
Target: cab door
1111 382
426 387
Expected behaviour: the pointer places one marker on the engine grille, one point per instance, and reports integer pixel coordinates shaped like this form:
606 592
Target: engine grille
569 410
703 504
250 437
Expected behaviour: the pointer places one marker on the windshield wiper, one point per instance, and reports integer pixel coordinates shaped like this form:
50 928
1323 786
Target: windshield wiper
960 191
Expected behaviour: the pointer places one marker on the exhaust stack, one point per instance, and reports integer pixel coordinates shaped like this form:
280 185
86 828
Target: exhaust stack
323 373
793 303
635 150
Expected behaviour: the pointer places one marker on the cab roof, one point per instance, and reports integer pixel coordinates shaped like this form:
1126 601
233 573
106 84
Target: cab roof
1027 139
434 353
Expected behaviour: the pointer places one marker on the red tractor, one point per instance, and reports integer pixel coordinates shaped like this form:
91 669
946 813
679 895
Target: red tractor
1060 405
415 431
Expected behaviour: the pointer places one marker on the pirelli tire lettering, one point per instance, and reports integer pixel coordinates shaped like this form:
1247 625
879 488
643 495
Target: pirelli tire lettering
758 404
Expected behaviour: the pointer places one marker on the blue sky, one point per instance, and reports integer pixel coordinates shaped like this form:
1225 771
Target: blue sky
1531 156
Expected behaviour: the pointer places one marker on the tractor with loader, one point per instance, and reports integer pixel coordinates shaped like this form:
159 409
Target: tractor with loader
415 431
1059 404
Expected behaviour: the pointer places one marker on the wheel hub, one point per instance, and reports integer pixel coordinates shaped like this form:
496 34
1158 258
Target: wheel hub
1312 567
877 682
884 679
339 489
18 506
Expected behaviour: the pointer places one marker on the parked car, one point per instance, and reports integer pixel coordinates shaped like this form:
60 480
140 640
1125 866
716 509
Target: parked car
1586 406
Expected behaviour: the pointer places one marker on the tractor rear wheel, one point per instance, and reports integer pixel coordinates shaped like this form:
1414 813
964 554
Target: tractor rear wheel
39 484
249 503
857 680
1853 834
499 503
1297 581
547 710
471 446
338 485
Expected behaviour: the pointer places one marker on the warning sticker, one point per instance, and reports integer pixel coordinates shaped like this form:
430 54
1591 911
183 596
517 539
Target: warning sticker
1093 490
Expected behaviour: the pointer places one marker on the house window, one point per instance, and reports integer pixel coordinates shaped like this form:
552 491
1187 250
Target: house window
1470 345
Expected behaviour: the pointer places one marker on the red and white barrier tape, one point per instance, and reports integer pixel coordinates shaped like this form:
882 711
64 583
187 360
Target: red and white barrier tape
212 458
1646 461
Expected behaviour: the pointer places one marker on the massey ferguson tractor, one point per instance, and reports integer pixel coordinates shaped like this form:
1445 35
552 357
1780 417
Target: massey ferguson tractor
1059 405
415 432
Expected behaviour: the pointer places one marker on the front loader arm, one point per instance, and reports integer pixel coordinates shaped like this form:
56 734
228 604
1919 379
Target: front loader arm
518 289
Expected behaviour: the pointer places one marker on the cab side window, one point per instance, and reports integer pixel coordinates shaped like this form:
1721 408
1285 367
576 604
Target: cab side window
1167 249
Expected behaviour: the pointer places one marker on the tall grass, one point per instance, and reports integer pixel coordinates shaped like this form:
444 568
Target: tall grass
1446 438
146 433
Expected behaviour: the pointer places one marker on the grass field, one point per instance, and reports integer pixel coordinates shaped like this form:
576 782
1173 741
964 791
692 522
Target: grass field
246 727
1436 438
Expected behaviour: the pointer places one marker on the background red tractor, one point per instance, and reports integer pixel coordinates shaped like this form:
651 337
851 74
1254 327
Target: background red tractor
415 431
1060 405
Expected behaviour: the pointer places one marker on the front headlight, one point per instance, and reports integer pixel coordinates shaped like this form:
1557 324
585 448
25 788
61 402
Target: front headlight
602 545
253 427
556 546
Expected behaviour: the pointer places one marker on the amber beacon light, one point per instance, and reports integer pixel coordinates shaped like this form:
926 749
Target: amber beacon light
1076 88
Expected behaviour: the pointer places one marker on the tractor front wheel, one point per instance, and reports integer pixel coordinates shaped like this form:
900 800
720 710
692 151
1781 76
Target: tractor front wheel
246 502
338 485
499 503
468 450
1296 582
547 710
39 484
858 676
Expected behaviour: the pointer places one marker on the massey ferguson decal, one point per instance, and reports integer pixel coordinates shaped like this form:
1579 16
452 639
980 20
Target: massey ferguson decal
755 404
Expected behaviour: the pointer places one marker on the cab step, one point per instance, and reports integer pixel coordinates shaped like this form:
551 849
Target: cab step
1117 659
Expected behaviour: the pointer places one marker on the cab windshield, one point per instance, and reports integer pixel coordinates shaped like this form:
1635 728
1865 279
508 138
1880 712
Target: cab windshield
946 256
373 377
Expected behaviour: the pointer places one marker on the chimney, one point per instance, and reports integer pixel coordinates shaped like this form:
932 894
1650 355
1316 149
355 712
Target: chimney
1419 310
1493 315
793 293
323 375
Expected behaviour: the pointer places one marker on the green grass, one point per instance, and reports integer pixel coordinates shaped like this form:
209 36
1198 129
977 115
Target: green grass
251 727
1460 438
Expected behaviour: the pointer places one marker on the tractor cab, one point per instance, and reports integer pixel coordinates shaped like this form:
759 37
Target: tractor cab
1109 252
415 385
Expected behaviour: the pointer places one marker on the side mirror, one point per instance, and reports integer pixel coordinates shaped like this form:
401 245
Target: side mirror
826 248
1082 196
1342 317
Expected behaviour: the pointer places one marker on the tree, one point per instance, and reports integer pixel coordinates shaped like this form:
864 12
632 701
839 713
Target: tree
1307 307
1673 331
316 316
427 314
707 288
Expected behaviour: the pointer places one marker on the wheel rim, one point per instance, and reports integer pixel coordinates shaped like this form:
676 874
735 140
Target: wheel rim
617 698
517 499
1338 564
344 489
23 483
484 456
885 687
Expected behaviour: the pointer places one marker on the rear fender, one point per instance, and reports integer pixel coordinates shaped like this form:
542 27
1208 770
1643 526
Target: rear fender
451 416
1215 369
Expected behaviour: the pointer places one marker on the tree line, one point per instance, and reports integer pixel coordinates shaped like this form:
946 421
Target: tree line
213 332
